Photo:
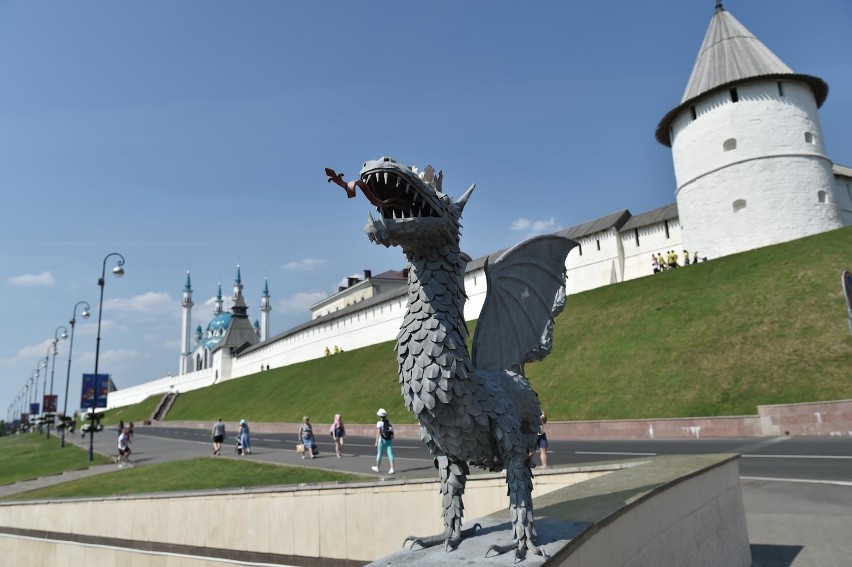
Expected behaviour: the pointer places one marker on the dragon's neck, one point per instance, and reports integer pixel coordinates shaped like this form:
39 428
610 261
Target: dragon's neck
432 343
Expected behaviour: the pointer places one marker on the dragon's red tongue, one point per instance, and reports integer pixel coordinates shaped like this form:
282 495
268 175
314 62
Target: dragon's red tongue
349 187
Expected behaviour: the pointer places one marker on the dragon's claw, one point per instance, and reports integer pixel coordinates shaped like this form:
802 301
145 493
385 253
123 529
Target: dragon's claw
520 549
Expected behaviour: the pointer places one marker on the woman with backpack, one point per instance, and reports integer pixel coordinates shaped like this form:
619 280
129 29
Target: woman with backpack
384 440
338 432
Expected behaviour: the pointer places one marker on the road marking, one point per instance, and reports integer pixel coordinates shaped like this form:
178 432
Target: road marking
612 453
796 456
761 444
798 480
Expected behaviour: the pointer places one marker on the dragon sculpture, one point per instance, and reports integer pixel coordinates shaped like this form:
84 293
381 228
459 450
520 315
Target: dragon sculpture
475 410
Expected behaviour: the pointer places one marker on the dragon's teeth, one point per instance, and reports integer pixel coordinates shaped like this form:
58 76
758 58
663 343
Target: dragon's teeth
387 176
398 181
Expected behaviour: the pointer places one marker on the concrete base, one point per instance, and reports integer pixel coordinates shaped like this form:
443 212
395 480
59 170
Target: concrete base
667 511
661 511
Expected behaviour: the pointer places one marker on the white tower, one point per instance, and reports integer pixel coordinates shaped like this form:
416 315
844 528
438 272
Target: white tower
265 308
186 329
749 156
217 305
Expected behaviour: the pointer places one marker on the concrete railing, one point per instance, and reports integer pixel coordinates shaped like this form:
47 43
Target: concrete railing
662 510
286 525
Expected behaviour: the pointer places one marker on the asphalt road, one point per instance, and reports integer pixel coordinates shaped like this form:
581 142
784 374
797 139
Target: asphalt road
822 459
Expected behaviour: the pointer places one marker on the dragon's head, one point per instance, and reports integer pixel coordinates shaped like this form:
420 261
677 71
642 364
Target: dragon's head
413 211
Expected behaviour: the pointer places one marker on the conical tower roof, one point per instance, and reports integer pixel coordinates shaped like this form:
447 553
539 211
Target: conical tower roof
729 55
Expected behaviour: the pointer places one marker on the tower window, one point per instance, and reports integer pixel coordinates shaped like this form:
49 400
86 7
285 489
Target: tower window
636 232
598 242
809 138
692 111
821 196
739 205
729 144
580 249
734 96
780 88
666 224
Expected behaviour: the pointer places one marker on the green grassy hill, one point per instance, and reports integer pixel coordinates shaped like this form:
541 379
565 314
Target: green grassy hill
718 338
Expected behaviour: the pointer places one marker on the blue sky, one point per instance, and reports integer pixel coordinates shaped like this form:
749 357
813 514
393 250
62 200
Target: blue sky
194 134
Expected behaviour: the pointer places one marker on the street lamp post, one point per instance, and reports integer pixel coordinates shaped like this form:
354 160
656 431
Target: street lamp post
56 338
84 315
31 383
117 271
34 391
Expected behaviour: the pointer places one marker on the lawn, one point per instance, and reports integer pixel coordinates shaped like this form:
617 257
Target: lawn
31 455
203 473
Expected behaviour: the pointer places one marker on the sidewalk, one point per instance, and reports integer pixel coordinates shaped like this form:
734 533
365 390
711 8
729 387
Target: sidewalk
149 450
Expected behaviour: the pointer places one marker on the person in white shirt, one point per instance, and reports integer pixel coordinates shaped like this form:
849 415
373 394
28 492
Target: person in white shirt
123 447
384 440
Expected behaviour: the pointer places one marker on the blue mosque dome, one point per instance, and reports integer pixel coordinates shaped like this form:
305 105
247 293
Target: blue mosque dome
220 322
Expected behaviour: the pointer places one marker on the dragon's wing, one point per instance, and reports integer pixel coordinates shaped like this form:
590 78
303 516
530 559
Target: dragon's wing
526 289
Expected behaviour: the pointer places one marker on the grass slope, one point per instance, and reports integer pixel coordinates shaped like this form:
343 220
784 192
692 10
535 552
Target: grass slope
718 338
194 474
32 455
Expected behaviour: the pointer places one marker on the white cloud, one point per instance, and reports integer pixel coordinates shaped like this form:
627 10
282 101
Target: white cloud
33 280
533 227
300 302
32 352
227 303
304 264
151 303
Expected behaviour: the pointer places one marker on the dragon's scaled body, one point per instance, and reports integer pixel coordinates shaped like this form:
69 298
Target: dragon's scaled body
477 410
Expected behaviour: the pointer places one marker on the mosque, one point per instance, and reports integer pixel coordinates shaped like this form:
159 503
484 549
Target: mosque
751 170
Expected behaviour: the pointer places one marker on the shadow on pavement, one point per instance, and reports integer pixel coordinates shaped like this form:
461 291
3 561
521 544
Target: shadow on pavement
774 555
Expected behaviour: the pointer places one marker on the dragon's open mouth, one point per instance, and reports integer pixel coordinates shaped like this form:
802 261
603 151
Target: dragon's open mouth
395 196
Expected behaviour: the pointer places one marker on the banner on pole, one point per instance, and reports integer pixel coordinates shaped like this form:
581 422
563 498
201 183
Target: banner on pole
34 408
25 418
846 281
50 403
95 390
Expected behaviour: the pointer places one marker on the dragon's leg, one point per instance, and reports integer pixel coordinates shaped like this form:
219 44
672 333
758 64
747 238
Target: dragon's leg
519 479
453 475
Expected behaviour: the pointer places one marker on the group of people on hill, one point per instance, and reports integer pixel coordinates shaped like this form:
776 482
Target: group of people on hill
662 262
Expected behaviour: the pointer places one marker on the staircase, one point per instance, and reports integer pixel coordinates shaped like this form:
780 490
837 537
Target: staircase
162 409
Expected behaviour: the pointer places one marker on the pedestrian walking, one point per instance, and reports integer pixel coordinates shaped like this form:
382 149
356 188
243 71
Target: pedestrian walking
338 432
306 437
244 438
124 441
541 442
384 440
218 436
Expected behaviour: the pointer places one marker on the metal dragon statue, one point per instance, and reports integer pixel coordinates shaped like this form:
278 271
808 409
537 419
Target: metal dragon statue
473 410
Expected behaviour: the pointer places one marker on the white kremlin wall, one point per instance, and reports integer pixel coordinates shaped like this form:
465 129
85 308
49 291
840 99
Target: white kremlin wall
376 320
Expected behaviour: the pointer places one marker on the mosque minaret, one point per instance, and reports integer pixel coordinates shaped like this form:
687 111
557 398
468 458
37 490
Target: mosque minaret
265 308
185 344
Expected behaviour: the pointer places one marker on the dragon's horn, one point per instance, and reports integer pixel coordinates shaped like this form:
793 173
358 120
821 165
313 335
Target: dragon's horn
463 199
